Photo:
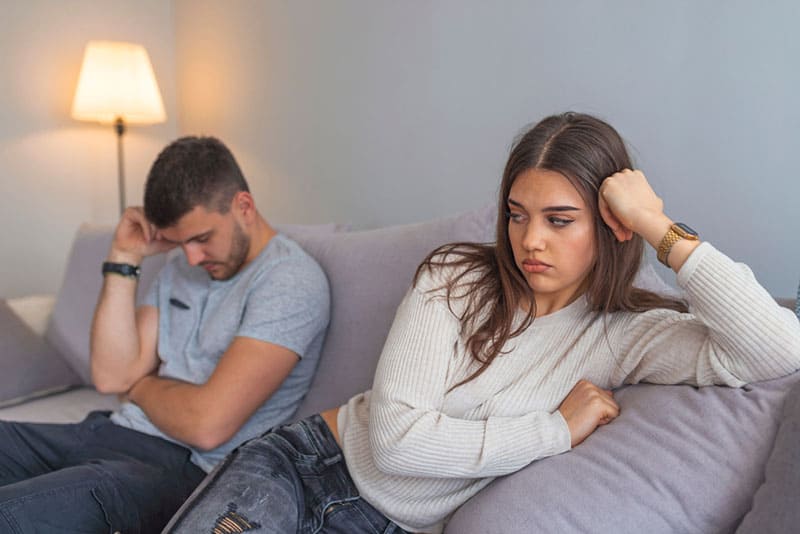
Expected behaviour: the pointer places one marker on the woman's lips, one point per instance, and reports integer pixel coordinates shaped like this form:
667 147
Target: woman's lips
534 266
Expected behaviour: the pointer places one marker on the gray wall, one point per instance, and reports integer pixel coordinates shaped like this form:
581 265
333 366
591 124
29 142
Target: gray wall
379 112
57 172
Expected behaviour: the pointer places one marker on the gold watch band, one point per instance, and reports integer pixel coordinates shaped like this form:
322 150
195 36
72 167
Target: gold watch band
675 233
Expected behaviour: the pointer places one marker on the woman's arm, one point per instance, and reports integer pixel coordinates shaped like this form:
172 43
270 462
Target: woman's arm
410 433
735 332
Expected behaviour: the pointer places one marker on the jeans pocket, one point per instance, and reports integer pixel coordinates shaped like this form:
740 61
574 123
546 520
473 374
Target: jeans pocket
351 515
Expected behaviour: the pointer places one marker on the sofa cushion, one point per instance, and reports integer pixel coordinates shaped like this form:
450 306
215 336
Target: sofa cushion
71 321
29 366
775 509
677 459
369 272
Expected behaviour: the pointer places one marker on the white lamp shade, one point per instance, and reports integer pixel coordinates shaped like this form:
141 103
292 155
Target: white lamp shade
117 81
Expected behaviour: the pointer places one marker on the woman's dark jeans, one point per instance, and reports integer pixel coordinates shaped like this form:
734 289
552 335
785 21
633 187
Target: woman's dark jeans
293 479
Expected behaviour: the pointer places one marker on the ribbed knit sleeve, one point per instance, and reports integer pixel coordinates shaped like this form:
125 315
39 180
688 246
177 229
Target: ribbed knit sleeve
734 333
410 433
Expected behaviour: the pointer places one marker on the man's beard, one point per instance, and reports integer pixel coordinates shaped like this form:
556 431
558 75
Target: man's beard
240 246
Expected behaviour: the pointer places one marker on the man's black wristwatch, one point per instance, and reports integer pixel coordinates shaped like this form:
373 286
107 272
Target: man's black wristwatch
122 269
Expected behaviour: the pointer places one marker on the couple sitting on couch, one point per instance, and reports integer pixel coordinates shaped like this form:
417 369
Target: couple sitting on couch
499 354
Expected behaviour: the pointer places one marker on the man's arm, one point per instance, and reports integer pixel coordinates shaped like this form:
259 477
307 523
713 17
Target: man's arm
207 415
123 339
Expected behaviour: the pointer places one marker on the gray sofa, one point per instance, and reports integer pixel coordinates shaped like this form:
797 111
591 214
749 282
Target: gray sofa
678 459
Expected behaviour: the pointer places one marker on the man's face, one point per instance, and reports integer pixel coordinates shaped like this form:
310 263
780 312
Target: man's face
212 240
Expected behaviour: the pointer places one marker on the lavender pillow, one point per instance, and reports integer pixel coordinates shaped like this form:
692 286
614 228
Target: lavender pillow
678 459
29 366
775 509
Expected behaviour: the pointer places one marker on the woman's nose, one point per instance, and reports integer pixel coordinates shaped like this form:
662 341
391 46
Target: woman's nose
533 239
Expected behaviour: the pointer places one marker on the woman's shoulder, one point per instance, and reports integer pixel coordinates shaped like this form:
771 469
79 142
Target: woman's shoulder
458 267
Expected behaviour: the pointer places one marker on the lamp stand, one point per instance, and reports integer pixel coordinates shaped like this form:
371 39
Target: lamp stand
119 127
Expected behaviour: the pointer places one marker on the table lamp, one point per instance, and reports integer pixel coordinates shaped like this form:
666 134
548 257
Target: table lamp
117 86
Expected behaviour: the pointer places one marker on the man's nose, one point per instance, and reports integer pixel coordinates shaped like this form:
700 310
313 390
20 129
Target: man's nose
194 253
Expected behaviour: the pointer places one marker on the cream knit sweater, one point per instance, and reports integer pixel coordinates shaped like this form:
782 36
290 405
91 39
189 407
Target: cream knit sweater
417 450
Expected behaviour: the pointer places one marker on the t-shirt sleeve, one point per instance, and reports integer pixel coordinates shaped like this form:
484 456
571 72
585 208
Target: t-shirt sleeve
150 297
289 306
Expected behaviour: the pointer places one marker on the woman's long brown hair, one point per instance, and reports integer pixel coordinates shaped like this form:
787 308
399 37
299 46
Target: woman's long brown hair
585 150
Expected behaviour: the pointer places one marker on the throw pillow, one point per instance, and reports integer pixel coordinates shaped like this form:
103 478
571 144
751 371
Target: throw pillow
775 509
29 366
677 459
369 271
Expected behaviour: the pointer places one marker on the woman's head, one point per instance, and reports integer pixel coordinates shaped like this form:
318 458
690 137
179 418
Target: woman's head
580 150
553 175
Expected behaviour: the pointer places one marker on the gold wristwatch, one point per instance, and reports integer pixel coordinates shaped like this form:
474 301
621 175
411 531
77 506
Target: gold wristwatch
676 232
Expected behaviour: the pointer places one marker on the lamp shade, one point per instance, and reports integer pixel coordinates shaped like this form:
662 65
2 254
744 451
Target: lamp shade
117 82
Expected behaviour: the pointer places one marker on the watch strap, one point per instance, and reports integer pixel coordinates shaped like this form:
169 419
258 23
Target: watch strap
122 269
675 233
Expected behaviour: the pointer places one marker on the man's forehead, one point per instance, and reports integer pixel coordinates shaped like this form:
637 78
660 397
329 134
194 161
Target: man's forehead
196 223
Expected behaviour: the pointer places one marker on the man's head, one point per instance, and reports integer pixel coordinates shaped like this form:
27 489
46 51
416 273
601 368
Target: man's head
198 199
190 172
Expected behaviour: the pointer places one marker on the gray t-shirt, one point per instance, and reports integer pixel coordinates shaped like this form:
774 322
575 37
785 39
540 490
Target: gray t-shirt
281 297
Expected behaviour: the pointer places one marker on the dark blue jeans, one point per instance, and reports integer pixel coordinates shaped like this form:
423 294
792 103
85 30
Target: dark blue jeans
292 479
89 477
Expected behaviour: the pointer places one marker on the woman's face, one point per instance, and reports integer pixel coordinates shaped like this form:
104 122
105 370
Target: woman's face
552 235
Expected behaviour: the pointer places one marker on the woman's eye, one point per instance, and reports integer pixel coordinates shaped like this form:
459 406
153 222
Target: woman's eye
515 217
559 221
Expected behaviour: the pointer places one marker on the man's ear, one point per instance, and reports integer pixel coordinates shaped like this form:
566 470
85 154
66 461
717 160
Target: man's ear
244 205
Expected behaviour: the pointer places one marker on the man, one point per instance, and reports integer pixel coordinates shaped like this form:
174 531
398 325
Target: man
223 348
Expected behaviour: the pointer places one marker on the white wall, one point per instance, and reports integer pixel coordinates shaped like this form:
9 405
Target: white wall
377 112
57 172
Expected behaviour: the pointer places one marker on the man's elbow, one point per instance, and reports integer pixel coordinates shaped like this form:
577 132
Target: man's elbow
104 383
209 434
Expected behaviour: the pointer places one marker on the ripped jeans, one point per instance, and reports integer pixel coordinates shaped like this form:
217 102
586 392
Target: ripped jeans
292 479
93 476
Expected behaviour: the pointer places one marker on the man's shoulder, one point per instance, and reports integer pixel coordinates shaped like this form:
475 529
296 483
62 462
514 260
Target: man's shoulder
285 255
284 263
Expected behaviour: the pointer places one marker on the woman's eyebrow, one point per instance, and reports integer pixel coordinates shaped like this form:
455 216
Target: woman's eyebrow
561 208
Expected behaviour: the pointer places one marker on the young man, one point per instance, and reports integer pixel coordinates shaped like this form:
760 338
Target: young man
223 347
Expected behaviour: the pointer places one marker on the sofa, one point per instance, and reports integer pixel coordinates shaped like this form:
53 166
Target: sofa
678 458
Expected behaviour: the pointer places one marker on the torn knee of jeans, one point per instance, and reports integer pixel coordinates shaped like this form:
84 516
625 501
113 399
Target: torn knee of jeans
232 521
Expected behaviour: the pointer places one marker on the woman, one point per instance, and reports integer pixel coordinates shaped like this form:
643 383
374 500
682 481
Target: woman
504 354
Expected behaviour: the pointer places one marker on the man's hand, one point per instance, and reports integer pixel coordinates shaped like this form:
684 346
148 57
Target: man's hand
135 238
587 407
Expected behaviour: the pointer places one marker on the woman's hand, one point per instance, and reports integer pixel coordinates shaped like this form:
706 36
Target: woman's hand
627 201
585 408
136 238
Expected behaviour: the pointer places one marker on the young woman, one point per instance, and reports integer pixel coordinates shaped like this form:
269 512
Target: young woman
507 353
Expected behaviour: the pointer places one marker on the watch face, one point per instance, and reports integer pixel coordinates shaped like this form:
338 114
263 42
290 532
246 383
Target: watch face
687 229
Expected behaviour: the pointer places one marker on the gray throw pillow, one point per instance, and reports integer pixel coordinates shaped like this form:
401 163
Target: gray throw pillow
369 272
677 459
29 366
775 506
